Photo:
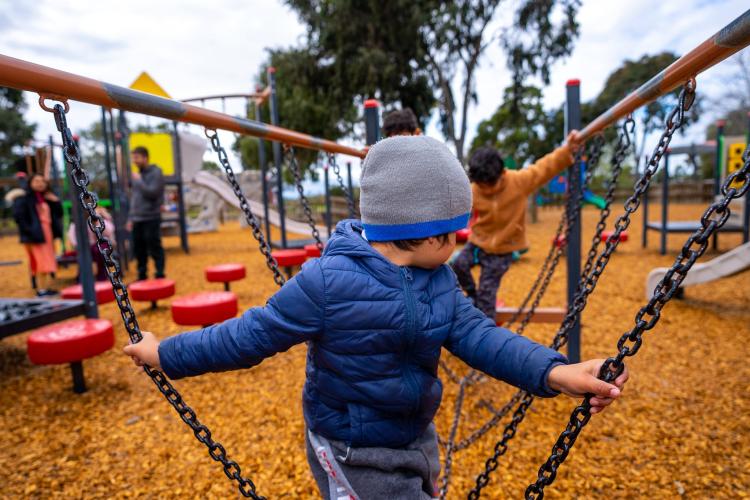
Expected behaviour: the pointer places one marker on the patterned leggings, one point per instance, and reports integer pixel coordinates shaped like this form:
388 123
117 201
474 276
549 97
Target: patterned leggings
494 266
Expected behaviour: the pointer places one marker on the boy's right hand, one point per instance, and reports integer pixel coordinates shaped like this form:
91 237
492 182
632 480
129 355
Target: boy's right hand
574 140
145 352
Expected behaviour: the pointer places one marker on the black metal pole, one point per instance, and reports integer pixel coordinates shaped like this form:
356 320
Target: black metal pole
372 121
746 211
85 271
124 181
277 156
573 122
180 191
79 384
56 188
718 170
664 205
263 173
108 160
349 179
644 236
329 217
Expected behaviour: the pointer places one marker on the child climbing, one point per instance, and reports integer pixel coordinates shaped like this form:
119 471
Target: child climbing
500 198
375 311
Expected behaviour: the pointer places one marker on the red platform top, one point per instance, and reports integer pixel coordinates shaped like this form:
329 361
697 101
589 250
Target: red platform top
70 341
204 308
222 273
312 250
159 288
102 289
573 82
371 103
462 235
290 257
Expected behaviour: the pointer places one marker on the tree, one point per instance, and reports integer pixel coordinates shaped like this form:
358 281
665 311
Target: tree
420 49
14 131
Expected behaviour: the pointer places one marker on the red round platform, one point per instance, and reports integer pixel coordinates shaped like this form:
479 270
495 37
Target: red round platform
102 289
204 308
462 235
606 234
151 290
70 341
312 250
289 257
224 273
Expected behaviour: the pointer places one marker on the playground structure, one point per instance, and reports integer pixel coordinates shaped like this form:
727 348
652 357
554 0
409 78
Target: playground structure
58 85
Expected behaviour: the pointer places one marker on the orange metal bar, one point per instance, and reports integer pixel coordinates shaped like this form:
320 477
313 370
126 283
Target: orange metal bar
56 84
732 38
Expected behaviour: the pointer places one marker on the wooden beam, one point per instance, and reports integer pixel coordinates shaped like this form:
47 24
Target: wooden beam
541 314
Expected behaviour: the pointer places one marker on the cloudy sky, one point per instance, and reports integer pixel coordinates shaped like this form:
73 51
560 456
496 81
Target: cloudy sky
195 47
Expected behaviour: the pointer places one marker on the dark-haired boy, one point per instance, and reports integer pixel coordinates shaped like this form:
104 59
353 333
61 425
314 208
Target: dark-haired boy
375 310
500 198
400 122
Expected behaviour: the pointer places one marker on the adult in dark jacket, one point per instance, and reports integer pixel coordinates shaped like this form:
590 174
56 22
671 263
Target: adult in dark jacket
146 199
38 215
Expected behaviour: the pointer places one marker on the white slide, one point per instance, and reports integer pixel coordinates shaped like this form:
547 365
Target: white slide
726 264
223 189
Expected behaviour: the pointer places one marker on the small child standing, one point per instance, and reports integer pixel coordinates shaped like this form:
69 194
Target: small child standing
376 310
500 199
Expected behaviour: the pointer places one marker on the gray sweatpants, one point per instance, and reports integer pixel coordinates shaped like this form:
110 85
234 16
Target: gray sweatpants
346 473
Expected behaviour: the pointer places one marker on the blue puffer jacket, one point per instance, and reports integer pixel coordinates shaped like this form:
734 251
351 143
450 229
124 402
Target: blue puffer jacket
375 331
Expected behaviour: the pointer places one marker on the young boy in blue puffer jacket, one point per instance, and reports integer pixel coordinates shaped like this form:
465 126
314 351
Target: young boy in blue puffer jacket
376 309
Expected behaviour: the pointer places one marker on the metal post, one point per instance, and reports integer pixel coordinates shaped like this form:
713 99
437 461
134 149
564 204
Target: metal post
122 185
372 121
79 383
718 170
271 72
329 221
180 190
108 159
664 205
56 188
349 179
573 122
644 236
263 173
85 272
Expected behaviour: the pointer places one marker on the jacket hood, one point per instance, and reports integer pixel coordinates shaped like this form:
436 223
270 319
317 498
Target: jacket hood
347 240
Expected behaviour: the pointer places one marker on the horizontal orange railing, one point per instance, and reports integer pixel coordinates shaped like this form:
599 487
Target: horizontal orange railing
55 84
732 38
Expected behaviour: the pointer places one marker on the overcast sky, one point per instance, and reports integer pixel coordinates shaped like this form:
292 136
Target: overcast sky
194 47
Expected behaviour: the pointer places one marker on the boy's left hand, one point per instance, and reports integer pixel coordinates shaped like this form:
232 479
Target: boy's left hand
580 379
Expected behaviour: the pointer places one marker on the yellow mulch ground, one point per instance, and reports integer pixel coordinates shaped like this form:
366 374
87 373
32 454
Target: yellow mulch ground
682 428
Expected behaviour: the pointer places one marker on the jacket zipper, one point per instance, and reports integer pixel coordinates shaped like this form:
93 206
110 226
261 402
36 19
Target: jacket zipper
406 278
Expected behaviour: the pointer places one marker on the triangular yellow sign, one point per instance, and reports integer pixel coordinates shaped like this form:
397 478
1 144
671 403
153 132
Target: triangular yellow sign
145 83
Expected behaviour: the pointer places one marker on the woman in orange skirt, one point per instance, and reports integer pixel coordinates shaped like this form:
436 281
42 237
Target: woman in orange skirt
39 217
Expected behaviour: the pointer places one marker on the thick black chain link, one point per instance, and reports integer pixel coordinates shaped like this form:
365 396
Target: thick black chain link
526 399
349 195
250 218
89 202
296 172
647 317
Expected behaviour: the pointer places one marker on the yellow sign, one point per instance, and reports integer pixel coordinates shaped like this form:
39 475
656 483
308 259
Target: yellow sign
734 159
160 151
145 83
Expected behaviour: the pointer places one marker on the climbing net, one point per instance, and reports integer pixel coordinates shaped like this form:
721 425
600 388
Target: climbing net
714 217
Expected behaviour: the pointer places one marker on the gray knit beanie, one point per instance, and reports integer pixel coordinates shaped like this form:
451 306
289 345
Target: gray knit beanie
412 187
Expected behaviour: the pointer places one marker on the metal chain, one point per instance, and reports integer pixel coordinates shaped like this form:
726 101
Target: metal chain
294 165
675 120
89 202
349 195
250 218
647 317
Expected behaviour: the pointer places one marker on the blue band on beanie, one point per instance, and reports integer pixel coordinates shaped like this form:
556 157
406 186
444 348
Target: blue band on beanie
392 232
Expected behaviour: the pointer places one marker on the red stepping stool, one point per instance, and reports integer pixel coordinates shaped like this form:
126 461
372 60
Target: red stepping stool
102 290
71 342
559 241
225 273
312 250
622 239
289 258
462 235
151 290
204 308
